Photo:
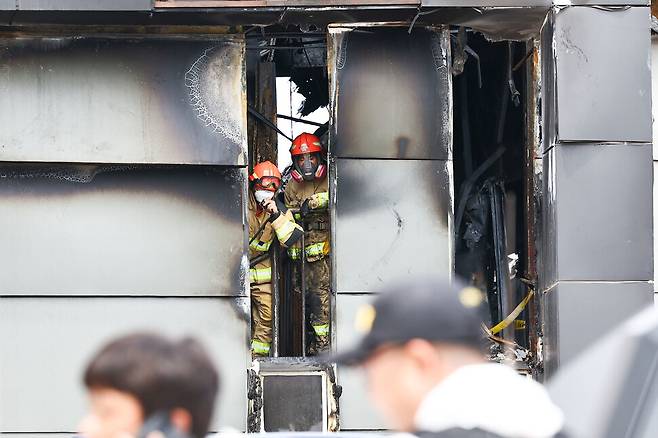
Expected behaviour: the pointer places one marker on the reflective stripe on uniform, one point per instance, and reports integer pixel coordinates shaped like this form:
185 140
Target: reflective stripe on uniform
259 347
293 253
314 250
257 245
284 232
259 276
321 329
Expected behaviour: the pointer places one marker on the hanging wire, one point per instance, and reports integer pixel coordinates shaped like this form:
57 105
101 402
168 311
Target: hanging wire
290 102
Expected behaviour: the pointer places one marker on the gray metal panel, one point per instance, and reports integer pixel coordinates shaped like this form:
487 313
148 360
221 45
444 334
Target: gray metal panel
132 231
393 219
485 3
604 212
64 332
654 92
589 310
356 409
411 119
550 331
35 435
595 49
7 5
123 100
588 388
655 226
610 2
85 5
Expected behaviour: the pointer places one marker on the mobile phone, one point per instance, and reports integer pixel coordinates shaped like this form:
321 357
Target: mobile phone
160 422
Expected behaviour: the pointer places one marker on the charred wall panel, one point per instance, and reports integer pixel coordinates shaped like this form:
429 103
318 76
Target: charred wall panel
85 5
391 94
104 230
393 219
391 186
46 342
123 100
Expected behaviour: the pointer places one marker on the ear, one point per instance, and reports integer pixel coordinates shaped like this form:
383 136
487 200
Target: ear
423 354
181 419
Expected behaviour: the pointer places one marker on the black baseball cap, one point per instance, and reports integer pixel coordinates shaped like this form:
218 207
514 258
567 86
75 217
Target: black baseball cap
434 309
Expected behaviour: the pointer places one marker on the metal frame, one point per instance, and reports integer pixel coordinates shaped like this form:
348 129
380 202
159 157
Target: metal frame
290 366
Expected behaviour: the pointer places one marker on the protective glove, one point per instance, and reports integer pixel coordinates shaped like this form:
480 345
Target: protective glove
318 201
270 206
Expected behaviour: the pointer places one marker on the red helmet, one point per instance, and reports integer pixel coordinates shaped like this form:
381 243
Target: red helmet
303 146
266 175
306 143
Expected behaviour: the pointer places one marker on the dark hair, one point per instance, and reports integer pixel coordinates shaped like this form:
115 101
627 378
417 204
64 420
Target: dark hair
162 374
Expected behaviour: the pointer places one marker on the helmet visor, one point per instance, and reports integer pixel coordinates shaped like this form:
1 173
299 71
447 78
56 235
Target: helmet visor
270 183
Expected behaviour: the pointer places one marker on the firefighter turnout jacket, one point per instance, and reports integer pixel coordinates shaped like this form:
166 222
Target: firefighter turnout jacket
316 240
287 232
317 223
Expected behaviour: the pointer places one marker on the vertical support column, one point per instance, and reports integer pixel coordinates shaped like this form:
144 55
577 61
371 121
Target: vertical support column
262 139
595 254
391 185
531 187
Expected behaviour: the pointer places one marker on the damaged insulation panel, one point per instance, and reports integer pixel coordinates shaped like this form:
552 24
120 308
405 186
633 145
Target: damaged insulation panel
162 100
392 139
391 94
116 233
392 183
381 228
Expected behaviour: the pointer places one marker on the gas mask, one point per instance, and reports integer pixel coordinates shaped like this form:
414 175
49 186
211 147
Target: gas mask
306 169
263 195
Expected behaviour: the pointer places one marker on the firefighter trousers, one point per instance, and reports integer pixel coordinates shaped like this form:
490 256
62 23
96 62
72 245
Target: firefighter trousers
317 293
261 318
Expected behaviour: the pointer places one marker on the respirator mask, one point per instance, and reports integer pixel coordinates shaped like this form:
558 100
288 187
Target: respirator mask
263 195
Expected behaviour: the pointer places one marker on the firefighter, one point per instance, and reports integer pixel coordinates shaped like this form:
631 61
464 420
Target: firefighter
267 217
308 191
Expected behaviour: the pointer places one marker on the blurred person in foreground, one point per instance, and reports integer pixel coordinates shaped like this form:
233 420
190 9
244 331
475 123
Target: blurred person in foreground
423 357
146 386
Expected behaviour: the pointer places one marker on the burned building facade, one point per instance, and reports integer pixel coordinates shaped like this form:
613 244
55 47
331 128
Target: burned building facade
508 142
